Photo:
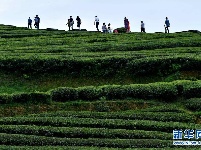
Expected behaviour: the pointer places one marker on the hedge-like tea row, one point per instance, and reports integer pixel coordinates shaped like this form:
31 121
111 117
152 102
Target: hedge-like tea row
67 132
21 140
162 91
194 104
148 45
38 97
84 148
146 125
117 65
157 116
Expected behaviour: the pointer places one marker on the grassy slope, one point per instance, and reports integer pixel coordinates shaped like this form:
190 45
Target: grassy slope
20 43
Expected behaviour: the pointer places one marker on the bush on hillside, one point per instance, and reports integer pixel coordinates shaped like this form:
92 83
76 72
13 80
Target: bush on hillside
22 98
64 94
121 30
89 93
31 98
5 99
193 104
192 89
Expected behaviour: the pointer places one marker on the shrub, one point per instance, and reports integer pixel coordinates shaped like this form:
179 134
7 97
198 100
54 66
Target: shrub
89 93
121 30
115 92
31 97
192 89
40 97
5 99
64 94
193 104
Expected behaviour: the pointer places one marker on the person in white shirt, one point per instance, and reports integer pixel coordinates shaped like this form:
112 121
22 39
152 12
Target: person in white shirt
142 26
96 22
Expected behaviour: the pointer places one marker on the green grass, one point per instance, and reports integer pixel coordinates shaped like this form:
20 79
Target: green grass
21 44
42 60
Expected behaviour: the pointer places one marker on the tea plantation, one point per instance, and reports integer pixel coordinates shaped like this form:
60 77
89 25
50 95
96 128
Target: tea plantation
84 90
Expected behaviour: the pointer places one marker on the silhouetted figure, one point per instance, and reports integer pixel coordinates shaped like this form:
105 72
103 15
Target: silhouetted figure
78 22
127 24
68 23
167 25
96 22
109 28
29 23
104 28
142 26
71 22
36 22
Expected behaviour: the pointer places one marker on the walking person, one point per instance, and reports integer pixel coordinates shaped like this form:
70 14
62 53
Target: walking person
142 26
29 23
78 22
68 23
38 21
167 25
96 22
71 22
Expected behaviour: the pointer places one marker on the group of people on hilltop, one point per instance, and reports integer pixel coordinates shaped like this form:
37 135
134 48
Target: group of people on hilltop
127 26
36 22
70 22
105 29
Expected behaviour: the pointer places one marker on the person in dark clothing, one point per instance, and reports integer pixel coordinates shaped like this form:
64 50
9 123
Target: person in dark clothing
71 22
142 26
127 24
104 28
167 25
109 28
78 22
68 23
29 23
37 23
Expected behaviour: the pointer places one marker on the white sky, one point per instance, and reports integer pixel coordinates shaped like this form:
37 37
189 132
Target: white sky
183 14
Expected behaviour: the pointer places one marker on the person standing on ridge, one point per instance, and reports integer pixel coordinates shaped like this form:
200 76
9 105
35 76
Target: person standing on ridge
104 28
38 21
71 22
129 28
29 23
109 28
78 22
68 23
167 25
142 26
96 22
127 24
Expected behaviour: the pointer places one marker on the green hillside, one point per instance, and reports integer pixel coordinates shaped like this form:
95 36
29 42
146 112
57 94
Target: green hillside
88 90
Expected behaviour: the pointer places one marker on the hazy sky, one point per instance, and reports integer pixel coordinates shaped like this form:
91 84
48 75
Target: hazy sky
183 14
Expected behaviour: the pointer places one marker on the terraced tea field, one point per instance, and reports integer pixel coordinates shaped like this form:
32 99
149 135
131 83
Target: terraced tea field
88 90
